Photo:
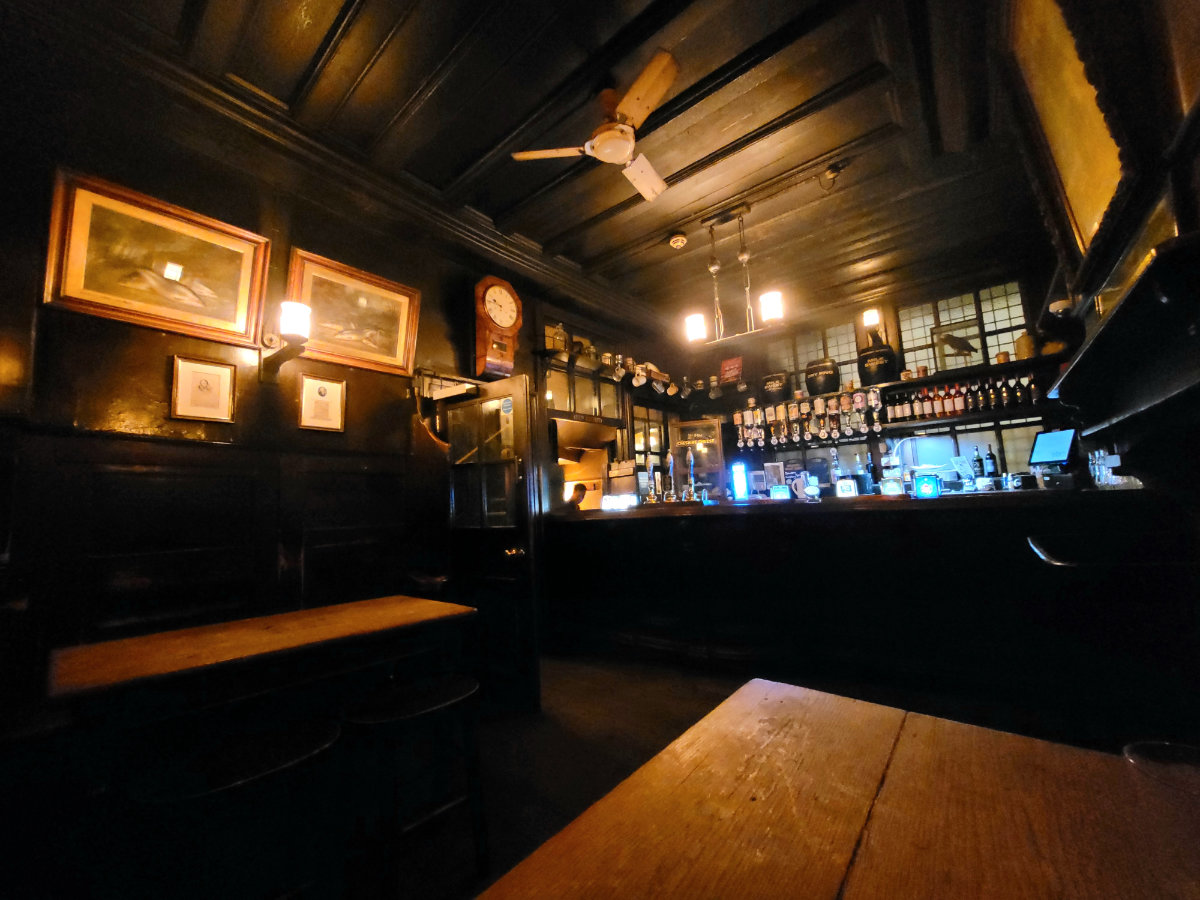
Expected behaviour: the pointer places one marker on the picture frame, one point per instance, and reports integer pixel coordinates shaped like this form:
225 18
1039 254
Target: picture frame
203 389
123 255
359 319
322 404
957 345
1074 140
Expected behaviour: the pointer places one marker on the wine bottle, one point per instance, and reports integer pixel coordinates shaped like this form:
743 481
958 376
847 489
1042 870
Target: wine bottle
939 404
1035 393
980 397
960 400
1005 394
993 399
968 396
990 469
977 463
926 404
1019 397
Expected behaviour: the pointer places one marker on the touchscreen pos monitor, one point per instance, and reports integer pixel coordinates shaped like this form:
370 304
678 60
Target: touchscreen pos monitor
1053 449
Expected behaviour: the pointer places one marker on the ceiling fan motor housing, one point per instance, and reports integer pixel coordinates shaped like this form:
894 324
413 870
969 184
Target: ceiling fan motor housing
612 142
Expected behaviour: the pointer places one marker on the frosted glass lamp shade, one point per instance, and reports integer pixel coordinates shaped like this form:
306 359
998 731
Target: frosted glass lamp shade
295 321
695 327
770 306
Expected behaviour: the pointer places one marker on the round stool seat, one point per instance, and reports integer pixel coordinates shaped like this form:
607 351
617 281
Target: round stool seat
410 700
203 758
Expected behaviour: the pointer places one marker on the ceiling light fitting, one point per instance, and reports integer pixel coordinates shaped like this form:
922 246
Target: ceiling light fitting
770 303
678 240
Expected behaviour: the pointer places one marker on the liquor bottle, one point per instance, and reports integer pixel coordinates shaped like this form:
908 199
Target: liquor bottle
977 463
737 423
993 398
903 409
968 399
1019 396
980 397
990 469
759 427
769 420
926 404
1035 393
858 466
793 414
960 400
835 466
1005 394
939 404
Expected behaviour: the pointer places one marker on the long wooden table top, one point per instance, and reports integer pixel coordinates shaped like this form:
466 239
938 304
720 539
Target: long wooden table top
783 791
90 667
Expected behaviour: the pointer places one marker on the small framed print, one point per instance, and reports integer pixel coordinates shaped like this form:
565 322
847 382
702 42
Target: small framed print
322 404
202 390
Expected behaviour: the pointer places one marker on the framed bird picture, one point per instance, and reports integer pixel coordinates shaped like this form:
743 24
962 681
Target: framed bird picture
957 345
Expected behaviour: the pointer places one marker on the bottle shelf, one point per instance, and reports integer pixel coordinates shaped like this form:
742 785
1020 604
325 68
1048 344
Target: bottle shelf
1028 411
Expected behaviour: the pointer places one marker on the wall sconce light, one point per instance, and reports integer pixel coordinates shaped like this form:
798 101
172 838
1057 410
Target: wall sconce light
870 318
770 306
295 327
695 327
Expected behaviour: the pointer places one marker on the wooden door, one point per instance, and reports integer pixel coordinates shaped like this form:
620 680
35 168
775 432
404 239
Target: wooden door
491 495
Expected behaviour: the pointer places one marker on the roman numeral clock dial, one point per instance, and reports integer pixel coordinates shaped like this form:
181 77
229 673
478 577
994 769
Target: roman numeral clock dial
497 321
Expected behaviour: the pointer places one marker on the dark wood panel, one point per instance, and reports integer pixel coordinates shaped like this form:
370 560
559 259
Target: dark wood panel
278 44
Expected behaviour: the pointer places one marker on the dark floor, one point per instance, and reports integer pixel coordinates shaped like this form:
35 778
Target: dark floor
601 719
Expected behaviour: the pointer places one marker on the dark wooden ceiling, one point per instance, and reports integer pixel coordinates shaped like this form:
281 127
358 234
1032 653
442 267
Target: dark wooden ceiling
432 96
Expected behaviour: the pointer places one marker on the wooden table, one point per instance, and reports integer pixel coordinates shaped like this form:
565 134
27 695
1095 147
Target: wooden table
783 791
91 667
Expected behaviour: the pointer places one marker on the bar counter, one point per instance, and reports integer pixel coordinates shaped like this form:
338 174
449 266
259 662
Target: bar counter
1043 597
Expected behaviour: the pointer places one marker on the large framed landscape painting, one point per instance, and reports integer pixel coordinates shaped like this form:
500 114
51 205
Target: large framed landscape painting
359 319
123 255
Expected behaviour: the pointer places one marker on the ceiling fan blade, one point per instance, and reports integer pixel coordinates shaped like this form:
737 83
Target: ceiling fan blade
643 177
548 154
648 89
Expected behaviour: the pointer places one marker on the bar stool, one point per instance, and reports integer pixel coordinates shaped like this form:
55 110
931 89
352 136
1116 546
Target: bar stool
410 761
229 803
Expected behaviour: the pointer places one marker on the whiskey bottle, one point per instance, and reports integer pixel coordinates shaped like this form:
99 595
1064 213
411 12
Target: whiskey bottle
737 423
990 469
960 400
926 404
977 463
939 404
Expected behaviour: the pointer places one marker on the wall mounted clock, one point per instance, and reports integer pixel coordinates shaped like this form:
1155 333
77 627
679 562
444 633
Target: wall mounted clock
498 318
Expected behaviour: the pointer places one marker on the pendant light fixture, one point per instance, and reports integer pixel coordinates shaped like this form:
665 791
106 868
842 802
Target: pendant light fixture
770 303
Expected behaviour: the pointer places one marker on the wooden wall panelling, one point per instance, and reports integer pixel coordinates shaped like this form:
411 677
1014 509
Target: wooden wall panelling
120 536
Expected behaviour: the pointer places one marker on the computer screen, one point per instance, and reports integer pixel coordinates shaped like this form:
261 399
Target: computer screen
1051 448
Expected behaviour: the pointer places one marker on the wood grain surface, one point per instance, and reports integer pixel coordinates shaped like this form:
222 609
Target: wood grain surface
968 812
764 797
92 666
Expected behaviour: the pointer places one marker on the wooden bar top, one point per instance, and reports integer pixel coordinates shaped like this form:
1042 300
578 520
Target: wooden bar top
783 791
89 667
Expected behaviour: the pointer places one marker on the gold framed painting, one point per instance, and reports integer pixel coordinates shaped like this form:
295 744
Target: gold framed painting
359 319
202 389
322 404
1083 170
123 255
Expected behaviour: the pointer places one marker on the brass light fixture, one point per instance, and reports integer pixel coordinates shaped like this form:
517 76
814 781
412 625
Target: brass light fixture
770 303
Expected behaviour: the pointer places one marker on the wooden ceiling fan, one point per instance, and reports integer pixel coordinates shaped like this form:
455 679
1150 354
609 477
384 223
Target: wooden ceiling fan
613 141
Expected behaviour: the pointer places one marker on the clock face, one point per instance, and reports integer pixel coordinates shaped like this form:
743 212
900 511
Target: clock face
501 306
